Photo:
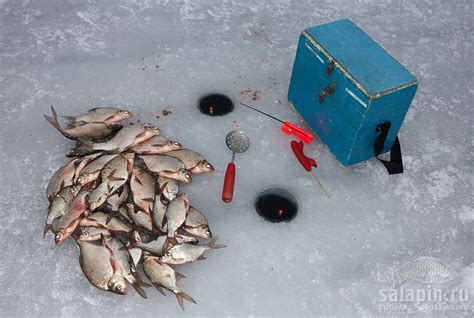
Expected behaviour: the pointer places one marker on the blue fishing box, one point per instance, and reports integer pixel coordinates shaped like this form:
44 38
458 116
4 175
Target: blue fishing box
351 92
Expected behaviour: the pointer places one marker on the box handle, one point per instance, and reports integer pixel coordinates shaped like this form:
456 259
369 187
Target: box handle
330 68
328 91
395 164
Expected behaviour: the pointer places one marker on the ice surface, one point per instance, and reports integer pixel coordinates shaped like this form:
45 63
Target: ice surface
148 55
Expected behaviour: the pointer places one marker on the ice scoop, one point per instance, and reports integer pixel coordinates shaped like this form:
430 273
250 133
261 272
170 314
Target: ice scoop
238 142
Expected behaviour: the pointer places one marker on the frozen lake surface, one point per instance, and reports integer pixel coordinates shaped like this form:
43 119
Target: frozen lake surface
332 259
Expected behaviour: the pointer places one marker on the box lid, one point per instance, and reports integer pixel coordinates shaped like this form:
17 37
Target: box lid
365 62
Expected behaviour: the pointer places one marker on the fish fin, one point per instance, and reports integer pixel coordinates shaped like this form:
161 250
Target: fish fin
163 187
116 179
201 258
139 280
163 223
160 289
179 276
109 218
143 284
93 109
111 174
180 296
53 122
212 244
130 166
48 227
139 290
109 118
86 142
137 180
61 186
71 120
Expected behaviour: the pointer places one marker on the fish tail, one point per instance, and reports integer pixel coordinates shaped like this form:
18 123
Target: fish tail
139 290
180 296
168 241
55 123
140 281
212 244
47 227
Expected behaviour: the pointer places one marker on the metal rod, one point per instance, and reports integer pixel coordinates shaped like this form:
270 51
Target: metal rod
281 121
322 187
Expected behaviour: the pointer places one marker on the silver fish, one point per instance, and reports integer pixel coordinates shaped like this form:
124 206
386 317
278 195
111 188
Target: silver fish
60 205
126 263
86 131
167 166
92 170
176 213
102 220
101 267
67 175
425 269
157 246
114 175
196 224
99 115
164 276
142 187
125 138
70 220
187 253
194 162
155 145
91 233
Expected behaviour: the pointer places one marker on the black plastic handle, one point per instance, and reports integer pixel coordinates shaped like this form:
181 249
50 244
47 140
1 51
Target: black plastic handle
395 164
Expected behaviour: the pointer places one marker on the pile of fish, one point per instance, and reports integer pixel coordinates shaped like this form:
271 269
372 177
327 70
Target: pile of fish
118 198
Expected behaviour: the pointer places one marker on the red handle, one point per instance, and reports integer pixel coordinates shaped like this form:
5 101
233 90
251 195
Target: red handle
305 161
298 132
228 190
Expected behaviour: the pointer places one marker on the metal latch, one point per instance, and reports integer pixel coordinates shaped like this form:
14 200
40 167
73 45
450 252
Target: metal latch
328 91
330 67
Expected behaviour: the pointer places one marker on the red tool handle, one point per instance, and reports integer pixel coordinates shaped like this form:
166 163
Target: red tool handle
229 180
305 161
300 133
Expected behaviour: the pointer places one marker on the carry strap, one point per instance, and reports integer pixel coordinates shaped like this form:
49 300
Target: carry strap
395 165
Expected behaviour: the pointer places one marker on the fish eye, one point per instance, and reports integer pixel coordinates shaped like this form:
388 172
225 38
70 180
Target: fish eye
126 112
176 143
187 176
208 165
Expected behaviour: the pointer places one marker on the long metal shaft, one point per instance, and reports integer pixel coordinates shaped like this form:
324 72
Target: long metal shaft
322 187
281 121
